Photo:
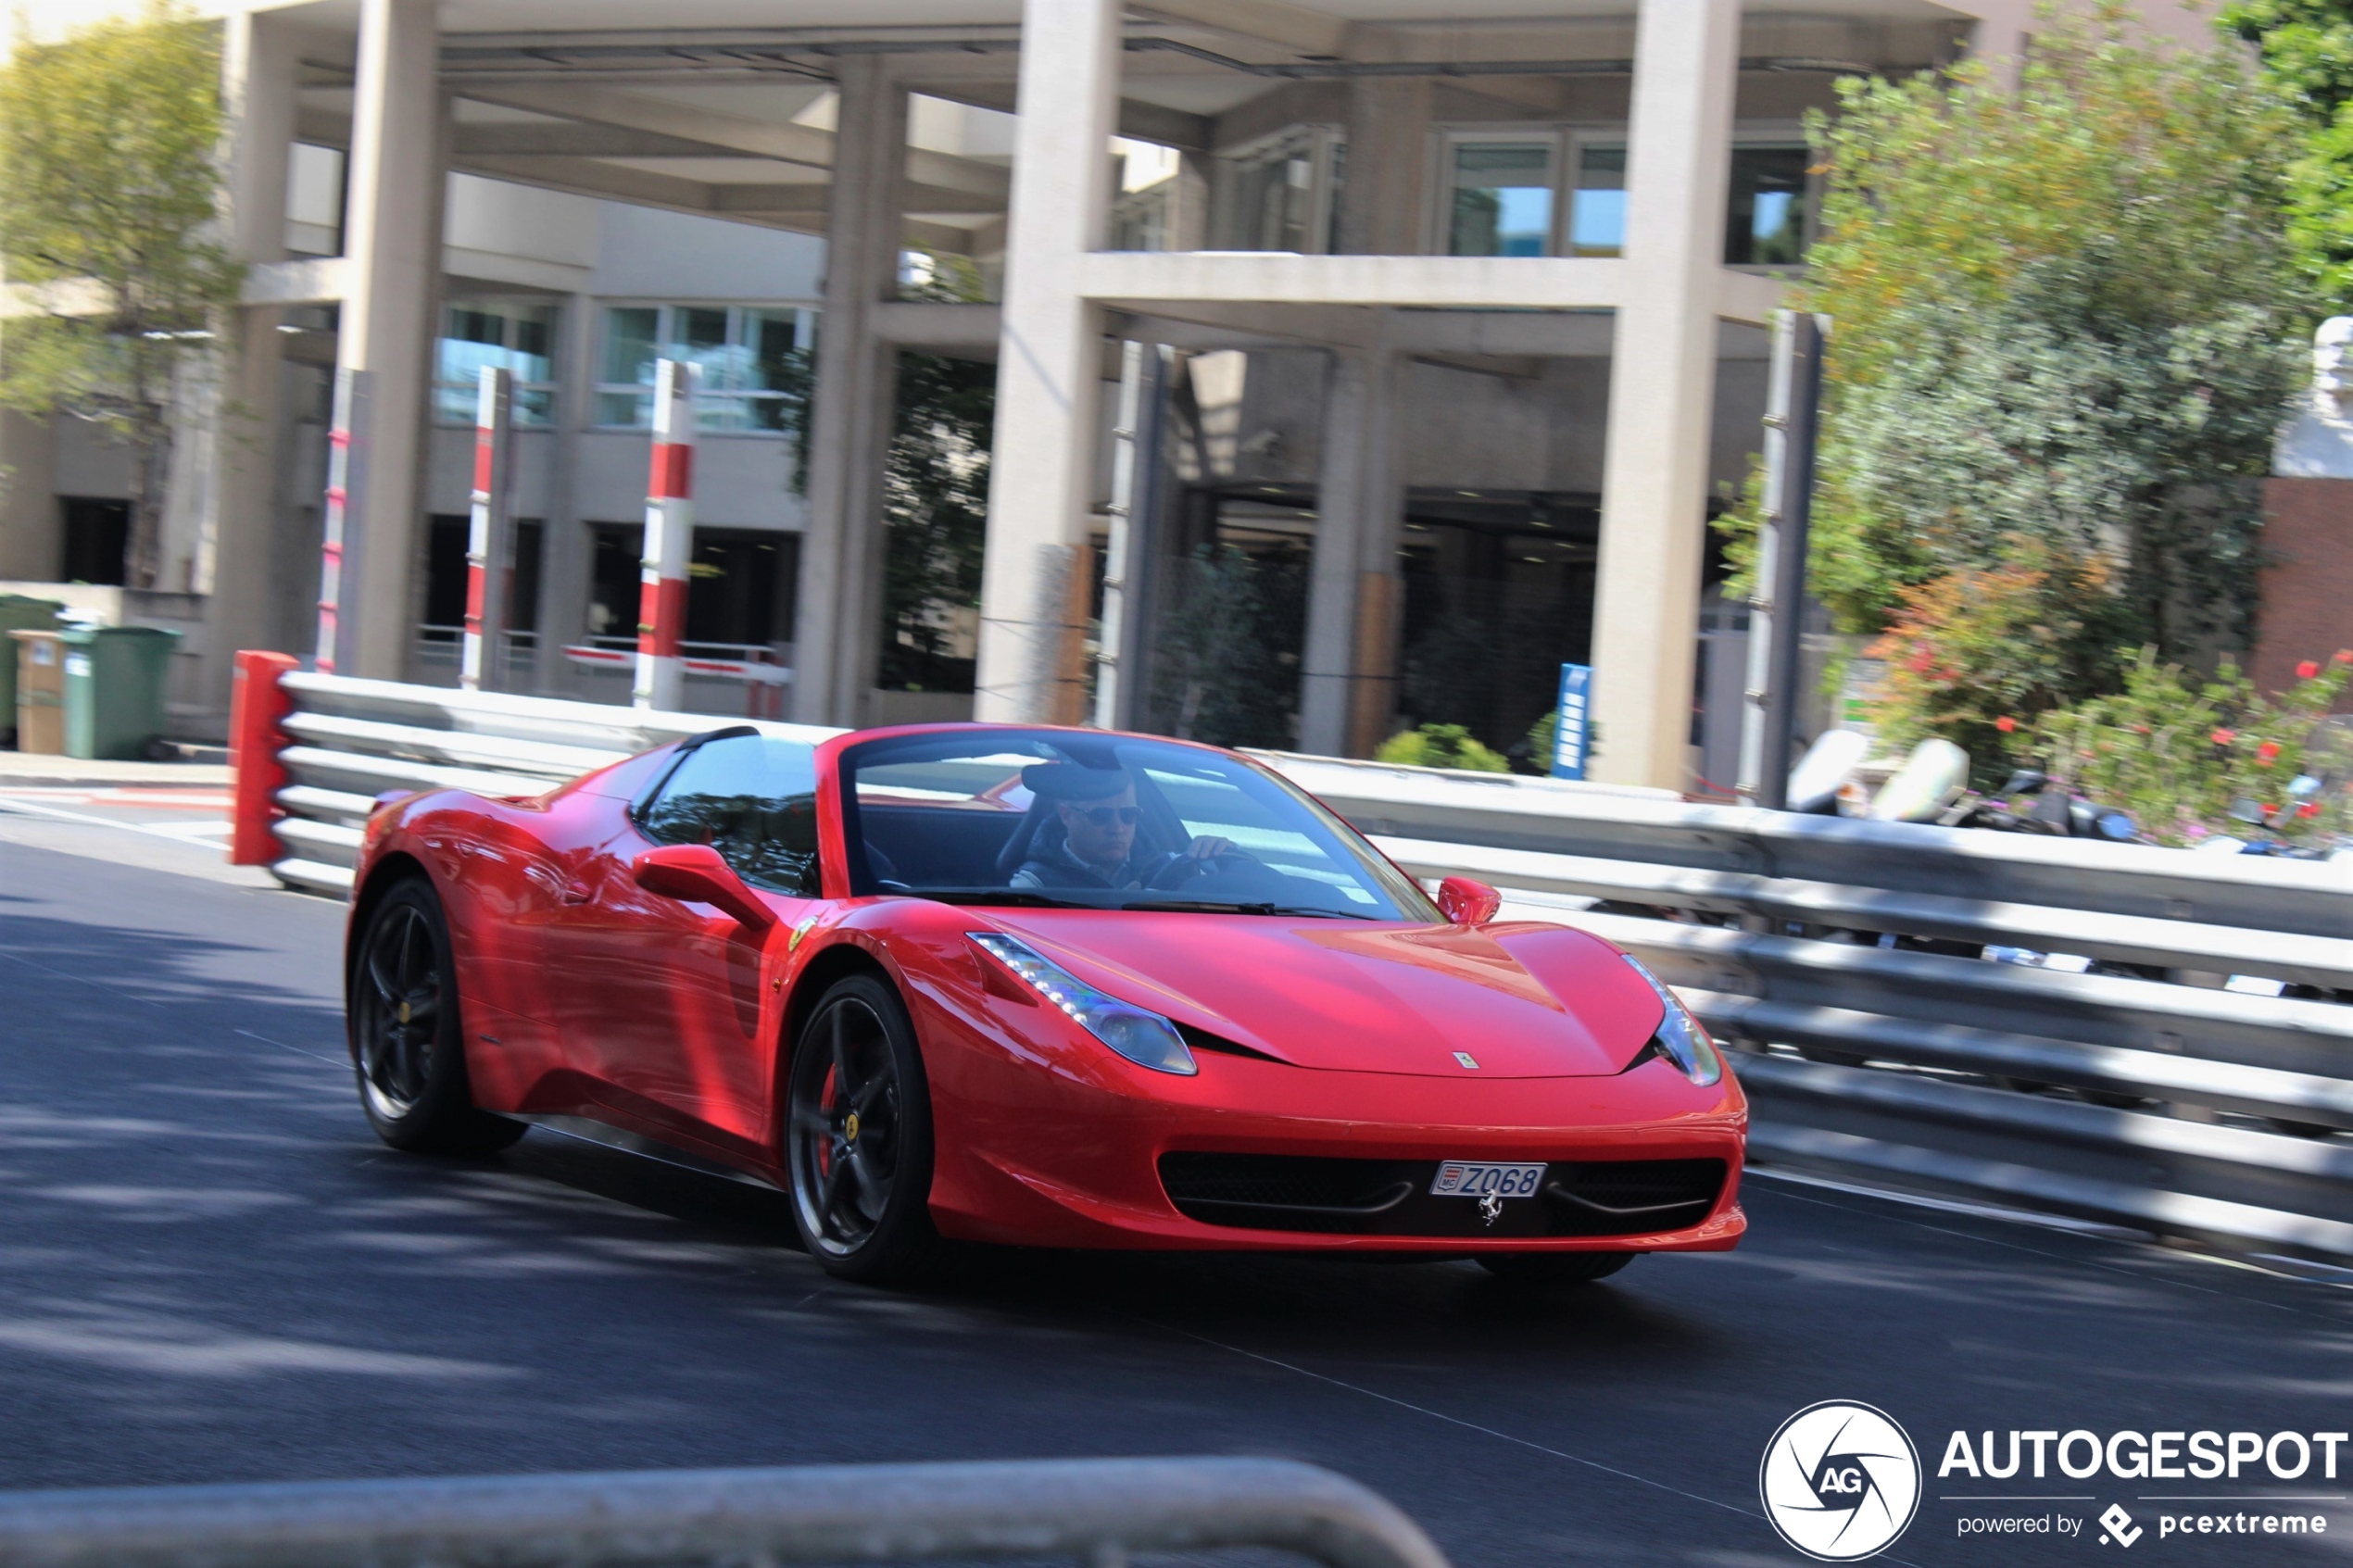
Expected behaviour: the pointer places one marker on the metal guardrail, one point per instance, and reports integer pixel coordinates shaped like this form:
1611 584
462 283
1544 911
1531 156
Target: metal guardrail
351 740
1099 1510
1842 956
1844 959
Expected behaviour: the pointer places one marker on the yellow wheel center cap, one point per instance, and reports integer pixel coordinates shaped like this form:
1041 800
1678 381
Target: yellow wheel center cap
850 1129
404 1012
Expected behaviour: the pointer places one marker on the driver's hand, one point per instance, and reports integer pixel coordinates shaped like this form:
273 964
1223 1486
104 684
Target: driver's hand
1210 849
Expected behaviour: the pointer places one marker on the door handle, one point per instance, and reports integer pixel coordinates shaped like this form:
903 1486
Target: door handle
577 893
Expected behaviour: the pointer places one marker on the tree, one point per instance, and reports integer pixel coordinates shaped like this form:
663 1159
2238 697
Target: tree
109 193
2307 50
936 498
2060 349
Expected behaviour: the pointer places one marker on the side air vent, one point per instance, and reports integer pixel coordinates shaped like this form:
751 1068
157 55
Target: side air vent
1202 1040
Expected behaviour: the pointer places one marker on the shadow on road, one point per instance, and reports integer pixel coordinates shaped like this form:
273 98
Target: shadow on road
210 1270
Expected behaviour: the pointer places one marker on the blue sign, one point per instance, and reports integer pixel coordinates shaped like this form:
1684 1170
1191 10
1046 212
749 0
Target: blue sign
1569 728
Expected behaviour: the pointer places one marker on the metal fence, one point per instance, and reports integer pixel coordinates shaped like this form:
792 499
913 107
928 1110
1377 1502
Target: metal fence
2118 1081
351 740
1845 960
1096 1510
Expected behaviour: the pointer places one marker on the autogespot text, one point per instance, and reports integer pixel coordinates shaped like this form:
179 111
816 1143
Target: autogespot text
2155 1456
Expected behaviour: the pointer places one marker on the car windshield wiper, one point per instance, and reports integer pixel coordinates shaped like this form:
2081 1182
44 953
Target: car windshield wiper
1015 896
1222 907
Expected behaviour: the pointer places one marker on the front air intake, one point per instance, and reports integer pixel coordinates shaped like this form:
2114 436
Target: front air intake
1310 1193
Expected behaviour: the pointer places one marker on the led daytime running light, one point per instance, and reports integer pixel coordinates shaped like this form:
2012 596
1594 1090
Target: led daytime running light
1141 1035
1680 1037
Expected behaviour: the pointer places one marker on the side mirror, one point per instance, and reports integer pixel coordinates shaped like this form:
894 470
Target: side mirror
1465 902
696 874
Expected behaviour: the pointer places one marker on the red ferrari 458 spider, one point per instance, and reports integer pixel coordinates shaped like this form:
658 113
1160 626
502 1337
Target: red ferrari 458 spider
1049 987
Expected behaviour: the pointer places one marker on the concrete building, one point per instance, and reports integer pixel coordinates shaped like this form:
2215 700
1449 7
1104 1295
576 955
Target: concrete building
1451 310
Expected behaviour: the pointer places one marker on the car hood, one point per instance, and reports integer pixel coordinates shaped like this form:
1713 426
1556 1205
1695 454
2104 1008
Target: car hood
1521 999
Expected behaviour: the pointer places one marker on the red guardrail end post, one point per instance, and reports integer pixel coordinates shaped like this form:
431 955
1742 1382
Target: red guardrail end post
256 703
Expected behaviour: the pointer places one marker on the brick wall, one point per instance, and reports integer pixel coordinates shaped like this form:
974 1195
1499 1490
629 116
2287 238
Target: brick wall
2308 577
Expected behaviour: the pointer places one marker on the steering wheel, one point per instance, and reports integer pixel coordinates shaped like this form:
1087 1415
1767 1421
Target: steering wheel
1184 867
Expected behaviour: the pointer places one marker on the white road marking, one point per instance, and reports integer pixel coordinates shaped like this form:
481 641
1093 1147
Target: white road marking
154 829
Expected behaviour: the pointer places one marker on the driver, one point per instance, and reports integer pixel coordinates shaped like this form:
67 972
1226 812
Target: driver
1097 811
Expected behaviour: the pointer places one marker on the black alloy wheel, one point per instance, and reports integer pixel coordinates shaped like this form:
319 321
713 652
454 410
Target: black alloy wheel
1543 1271
857 1136
406 1037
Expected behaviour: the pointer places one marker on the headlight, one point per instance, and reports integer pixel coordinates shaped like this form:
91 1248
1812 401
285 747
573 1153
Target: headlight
1140 1034
1680 1037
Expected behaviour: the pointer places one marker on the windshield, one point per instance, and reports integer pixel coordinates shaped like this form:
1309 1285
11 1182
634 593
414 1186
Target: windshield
1011 816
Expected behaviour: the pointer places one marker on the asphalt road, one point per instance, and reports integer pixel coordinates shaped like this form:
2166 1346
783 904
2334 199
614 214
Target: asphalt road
209 1270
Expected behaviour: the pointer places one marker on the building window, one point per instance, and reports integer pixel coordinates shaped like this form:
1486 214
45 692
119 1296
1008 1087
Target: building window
445 572
739 588
509 334
314 200
1597 208
1772 211
1282 193
1502 196
755 363
1143 210
441 635
98 532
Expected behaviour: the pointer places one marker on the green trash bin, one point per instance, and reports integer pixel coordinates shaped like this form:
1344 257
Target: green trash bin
115 680
19 613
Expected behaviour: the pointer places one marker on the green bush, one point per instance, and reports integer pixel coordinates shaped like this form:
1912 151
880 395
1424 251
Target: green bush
1441 746
1534 753
1977 656
2182 754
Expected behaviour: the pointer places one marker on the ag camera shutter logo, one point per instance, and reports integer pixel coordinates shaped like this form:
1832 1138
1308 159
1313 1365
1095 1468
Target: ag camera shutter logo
1841 1481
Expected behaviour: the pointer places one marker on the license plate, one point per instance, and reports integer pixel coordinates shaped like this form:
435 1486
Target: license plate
1482 1178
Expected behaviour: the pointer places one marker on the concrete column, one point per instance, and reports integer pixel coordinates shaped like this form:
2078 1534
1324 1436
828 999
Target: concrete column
837 627
1383 199
564 554
241 527
393 250
1033 594
1662 386
186 529
31 526
1189 214
1348 674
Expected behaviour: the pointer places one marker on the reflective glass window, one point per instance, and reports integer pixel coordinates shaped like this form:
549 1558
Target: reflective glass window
1503 202
755 362
1768 220
507 334
1597 209
754 800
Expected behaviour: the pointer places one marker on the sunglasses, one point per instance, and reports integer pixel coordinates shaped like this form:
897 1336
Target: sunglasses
1104 816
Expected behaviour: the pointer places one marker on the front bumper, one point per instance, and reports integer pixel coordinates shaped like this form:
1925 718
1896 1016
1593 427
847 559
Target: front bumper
1061 1158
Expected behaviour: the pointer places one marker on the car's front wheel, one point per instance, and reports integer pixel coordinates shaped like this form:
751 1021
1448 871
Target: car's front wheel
1543 1271
407 1038
857 1136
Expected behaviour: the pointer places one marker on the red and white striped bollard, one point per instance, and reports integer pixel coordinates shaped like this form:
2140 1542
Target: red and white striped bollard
669 524
339 539
489 532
